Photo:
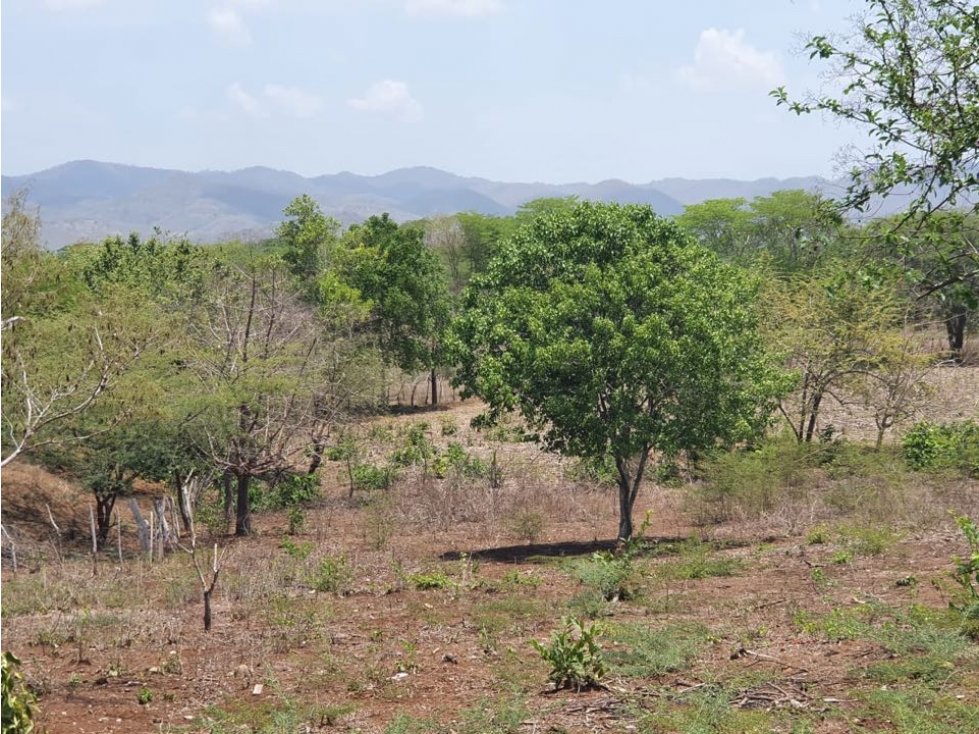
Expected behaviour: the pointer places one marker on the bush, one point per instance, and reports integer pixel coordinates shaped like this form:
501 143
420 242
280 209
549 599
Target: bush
574 655
608 574
455 459
751 482
369 477
333 575
527 525
287 491
943 447
18 701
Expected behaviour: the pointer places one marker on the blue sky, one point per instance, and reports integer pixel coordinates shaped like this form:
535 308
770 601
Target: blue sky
519 90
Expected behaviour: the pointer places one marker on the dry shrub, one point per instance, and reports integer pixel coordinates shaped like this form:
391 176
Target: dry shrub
788 487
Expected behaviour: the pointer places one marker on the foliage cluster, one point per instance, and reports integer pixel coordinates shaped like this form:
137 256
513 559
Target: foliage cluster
943 446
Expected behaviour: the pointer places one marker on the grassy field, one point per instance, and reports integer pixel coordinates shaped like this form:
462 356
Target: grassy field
800 591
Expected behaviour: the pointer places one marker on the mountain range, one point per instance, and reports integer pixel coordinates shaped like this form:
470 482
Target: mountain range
89 200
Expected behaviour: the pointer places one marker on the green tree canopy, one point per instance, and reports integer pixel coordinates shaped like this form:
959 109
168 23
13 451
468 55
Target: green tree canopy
404 284
614 335
307 236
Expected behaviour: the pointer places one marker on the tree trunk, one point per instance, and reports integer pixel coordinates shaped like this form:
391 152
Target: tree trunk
229 499
243 517
625 510
955 327
103 516
435 387
817 398
207 610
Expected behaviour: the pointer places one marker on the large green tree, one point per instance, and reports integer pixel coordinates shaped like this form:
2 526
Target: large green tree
615 335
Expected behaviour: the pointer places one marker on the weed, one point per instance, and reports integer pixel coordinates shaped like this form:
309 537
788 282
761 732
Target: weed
145 696
370 477
574 655
298 551
515 579
297 518
818 535
608 574
649 652
697 561
869 541
431 580
504 716
527 525
333 575
920 710
841 557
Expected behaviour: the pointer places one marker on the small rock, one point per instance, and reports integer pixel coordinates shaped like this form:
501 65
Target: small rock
257 690
242 671
399 676
449 658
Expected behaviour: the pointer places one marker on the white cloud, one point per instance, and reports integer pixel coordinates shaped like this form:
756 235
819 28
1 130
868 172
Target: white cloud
466 8
389 97
723 59
72 4
293 101
247 102
229 26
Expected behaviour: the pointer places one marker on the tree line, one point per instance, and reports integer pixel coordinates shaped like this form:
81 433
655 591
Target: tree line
619 336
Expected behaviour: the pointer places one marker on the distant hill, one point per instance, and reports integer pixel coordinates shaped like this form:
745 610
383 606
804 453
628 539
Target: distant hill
89 200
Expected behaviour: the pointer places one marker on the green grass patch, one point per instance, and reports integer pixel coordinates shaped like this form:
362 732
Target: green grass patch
641 652
698 560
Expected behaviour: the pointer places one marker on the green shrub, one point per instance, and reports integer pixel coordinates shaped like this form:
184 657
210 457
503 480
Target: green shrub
298 551
333 575
18 702
287 491
595 471
455 459
608 574
527 525
417 449
369 477
430 580
943 447
574 655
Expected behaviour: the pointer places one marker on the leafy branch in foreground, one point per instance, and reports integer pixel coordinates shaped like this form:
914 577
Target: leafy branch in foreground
909 76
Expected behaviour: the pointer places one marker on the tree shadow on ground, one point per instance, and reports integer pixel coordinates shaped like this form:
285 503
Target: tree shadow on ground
567 549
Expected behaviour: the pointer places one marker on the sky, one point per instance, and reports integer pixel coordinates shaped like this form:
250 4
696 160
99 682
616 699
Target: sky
514 90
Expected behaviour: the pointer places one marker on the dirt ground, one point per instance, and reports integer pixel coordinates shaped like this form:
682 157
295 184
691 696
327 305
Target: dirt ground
416 610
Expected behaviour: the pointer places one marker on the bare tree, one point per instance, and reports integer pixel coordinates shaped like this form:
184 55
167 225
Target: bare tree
276 376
